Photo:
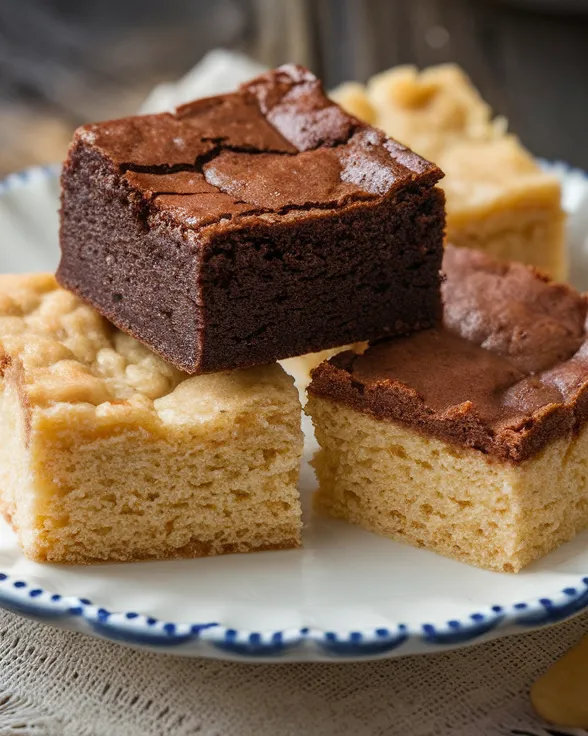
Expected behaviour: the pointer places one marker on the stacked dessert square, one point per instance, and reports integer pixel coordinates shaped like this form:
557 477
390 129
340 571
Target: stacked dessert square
251 227
468 439
143 413
110 453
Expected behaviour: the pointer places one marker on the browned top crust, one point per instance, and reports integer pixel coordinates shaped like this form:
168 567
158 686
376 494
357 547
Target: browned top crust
276 145
506 374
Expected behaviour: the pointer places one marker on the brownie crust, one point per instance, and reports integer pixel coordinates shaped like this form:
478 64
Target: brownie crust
506 374
251 227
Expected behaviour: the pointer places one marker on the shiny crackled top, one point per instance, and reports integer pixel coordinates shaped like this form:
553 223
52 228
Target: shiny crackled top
278 145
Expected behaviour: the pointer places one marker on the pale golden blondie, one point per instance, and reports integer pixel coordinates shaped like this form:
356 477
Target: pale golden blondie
108 453
471 439
498 198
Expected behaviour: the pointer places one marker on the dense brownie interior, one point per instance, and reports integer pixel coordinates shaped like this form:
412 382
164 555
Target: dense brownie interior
251 226
507 373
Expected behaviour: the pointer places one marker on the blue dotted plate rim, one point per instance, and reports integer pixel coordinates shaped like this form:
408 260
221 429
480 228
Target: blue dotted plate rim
139 629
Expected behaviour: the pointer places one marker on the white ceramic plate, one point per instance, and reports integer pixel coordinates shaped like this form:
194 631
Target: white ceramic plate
347 595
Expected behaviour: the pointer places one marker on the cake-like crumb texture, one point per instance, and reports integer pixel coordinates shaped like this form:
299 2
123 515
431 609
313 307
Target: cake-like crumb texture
498 198
453 500
470 439
108 453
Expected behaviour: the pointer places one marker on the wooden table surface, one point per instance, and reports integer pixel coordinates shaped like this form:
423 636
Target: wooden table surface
65 62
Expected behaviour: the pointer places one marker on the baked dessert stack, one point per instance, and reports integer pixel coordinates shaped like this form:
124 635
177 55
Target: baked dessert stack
142 413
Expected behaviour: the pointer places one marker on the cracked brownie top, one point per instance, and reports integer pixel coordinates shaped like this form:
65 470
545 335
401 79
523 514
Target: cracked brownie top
276 146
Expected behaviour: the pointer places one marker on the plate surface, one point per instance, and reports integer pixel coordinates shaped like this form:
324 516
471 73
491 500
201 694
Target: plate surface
347 595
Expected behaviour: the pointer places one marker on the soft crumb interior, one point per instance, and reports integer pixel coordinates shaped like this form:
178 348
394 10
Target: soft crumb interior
14 471
455 501
203 485
512 210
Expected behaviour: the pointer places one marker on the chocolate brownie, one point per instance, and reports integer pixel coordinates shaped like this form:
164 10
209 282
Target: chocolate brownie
506 374
251 226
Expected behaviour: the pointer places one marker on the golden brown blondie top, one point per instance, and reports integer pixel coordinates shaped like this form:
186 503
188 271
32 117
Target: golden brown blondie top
69 353
62 352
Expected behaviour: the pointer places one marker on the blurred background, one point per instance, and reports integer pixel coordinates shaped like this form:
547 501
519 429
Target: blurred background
66 62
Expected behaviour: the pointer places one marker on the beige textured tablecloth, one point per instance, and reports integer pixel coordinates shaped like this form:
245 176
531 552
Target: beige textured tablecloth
57 683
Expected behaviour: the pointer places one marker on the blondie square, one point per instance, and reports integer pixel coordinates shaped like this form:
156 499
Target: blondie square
470 439
498 198
251 227
107 453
